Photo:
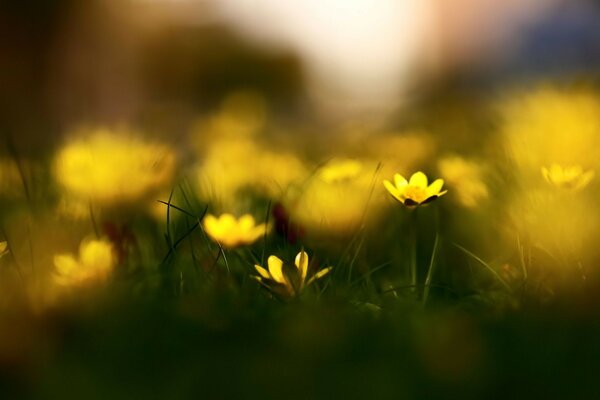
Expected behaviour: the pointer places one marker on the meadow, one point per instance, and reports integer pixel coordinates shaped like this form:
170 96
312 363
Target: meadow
449 253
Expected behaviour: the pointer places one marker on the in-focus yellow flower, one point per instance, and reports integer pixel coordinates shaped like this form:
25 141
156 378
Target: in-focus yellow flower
416 191
288 281
231 232
111 167
95 262
3 249
567 177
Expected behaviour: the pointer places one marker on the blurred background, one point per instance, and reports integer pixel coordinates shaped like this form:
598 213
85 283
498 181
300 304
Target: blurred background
67 63
294 112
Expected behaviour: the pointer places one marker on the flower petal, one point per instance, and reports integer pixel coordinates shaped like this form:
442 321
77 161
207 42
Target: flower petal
435 187
65 264
227 222
400 181
320 274
418 179
246 222
257 232
209 223
276 269
263 272
302 265
393 190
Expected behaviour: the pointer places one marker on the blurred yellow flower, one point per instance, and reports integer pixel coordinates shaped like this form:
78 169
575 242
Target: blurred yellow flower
416 191
550 125
561 226
95 262
3 248
113 167
335 199
416 147
231 165
231 232
567 177
465 178
290 281
340 170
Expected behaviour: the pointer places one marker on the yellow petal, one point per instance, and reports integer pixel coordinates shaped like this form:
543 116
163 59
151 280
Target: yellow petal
418 179
210 225
97 255
400 181
65 264
263 272
257 232
320 274
392 189
435 187
276 269
246 223
302 264
227 222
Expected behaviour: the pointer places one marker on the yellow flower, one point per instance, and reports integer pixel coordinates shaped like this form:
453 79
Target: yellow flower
340 170
224 173
551 125
3 249
466 179
231 232
416 191
567 177
335 201
287 283
113 167
95 262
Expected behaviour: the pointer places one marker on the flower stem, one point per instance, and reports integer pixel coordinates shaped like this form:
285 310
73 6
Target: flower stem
413 249
430 270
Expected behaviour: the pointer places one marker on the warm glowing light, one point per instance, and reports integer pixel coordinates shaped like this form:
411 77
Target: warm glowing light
345 44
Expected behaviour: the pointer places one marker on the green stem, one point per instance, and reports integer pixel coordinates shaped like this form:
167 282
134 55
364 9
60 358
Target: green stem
430 270
413 248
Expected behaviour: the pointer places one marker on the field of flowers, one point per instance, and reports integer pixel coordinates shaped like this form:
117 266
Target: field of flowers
262 256
283 199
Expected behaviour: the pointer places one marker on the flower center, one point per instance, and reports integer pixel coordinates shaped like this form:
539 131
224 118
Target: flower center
415 193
